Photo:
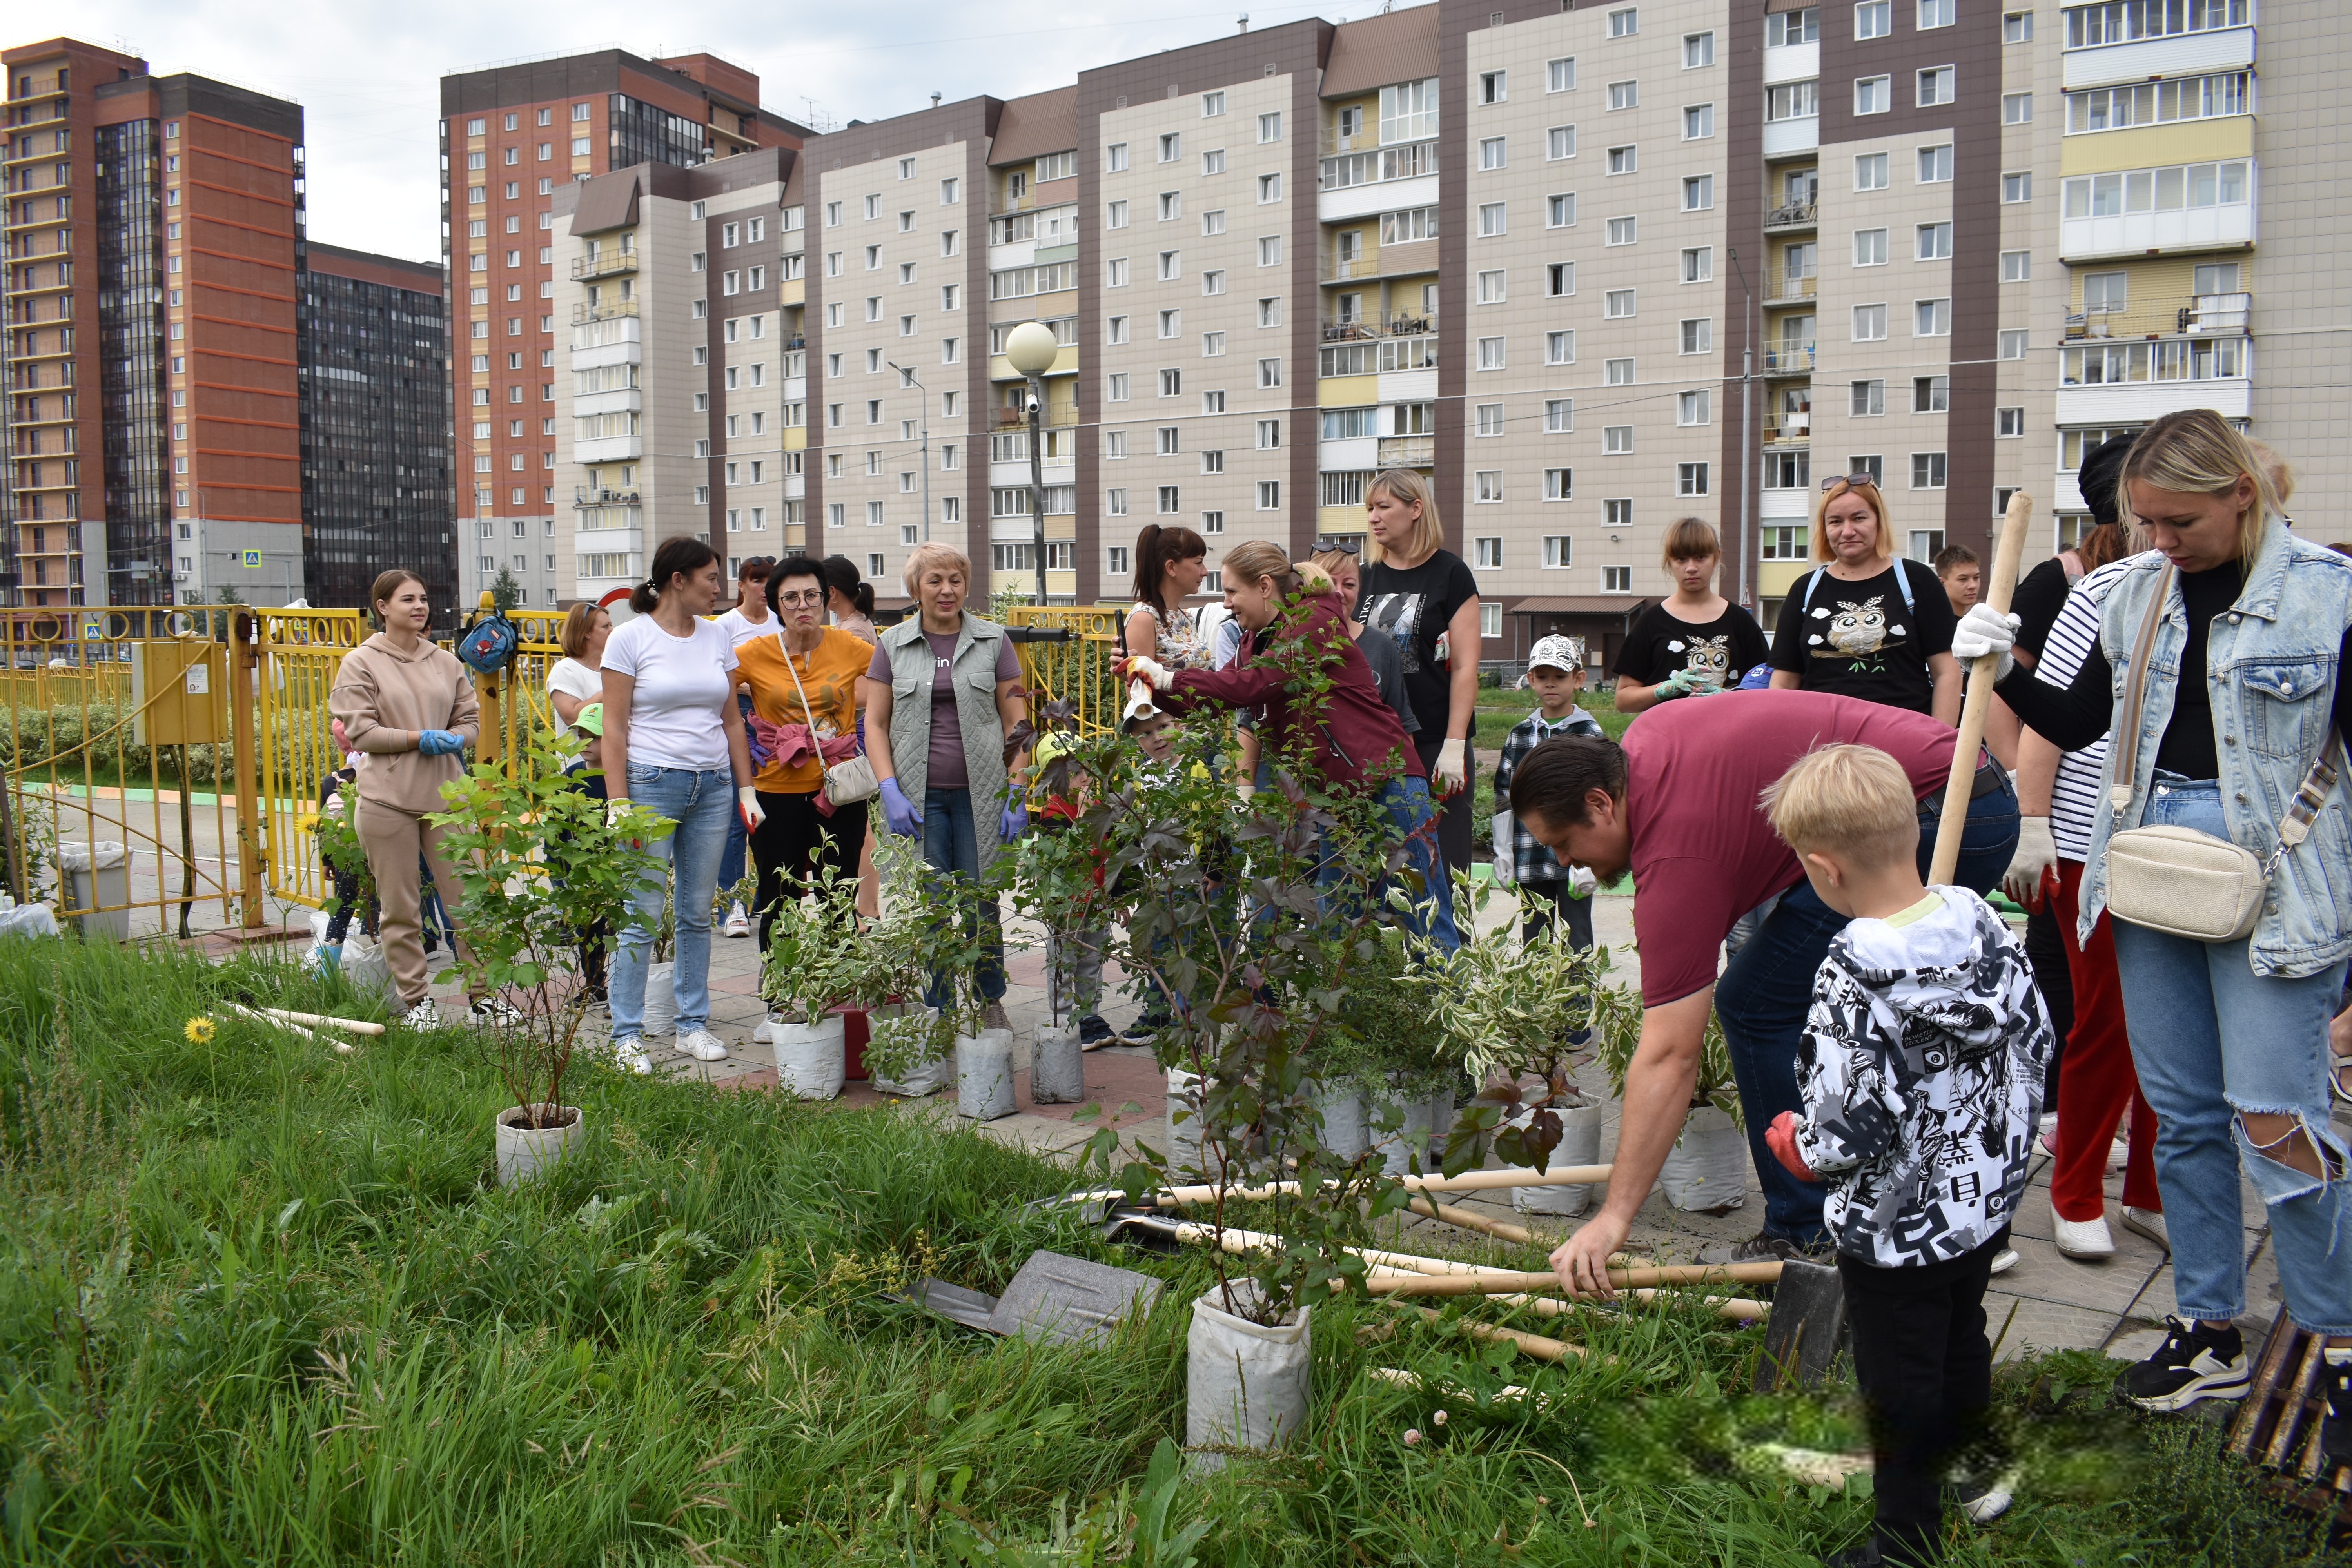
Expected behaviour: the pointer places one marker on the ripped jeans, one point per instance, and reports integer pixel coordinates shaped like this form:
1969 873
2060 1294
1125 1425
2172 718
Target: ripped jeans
2210 1038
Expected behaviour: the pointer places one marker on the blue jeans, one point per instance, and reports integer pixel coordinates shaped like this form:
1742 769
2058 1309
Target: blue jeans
2211 1039
1411 815
702 805
951 844
1768 987
738 838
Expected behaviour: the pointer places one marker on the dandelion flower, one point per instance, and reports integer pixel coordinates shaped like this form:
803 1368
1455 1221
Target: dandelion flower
199 1031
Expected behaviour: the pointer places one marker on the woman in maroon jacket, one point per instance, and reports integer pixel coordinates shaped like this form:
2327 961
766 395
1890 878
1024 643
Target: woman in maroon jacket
1353 735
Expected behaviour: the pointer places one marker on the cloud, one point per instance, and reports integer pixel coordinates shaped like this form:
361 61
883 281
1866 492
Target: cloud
368 74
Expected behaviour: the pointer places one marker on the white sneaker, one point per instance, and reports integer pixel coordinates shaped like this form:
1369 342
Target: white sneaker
2082 1239
2049 1123
495 1012
738 923
765 1034
629 1056
424 1015
702 1046
2148 1223
2003 1261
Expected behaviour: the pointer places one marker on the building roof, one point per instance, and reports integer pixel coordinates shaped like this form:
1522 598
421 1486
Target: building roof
1034 126
1393 46
397 272
1583 605
608 201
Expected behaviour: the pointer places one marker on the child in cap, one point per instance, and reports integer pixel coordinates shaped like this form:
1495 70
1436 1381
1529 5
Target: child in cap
1549 892
1920 1070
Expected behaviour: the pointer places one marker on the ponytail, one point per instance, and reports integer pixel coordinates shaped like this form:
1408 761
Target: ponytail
864 599
676 558
1155 547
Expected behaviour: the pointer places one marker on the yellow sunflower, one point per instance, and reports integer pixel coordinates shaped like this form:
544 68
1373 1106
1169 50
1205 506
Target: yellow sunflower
199 1031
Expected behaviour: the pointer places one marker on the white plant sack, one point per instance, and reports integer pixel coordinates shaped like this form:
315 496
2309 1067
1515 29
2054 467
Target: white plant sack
365 970
661 999
1579 1144
1057 1068
983 1068
1397 1149
1706 1170
925 1078
1247 1383
1346 1132
812 1060
523 1152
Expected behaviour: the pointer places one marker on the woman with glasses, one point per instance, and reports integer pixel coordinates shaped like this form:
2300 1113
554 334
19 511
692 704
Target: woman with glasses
1867 624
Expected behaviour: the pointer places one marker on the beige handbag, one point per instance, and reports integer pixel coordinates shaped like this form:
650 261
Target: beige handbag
2176 880
847 782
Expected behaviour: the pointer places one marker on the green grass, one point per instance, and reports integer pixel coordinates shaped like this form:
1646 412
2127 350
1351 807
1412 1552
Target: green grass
260 1303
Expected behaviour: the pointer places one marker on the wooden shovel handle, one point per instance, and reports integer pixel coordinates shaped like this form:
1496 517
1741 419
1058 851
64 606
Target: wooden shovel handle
1978 705
1500 1283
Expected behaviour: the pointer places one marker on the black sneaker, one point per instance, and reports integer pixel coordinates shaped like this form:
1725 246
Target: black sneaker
1144 1030
1765 1247
2194 1362
2335 1432
1094 1030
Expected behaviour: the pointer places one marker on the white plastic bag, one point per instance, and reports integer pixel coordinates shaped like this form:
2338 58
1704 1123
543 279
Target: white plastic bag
925 1078
1057 1068
812 1060
1245 1384
1706 1170
1345 1134
366 971
660 1016
29 920
1579 1144
983 1066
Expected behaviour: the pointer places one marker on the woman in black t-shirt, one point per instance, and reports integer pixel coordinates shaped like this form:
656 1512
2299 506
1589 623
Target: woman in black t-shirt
1869 624
1425 596
1695 644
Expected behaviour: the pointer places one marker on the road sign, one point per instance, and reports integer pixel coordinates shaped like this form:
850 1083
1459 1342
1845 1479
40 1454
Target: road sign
252 558
93 629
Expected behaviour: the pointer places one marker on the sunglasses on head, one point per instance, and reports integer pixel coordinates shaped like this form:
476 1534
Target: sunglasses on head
1852 482
1344 546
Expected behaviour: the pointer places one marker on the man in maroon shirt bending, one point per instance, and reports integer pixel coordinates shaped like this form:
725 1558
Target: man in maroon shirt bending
1677 806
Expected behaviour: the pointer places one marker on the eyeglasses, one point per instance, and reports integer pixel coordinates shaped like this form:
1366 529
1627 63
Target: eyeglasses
811 599
1852 482
1344 546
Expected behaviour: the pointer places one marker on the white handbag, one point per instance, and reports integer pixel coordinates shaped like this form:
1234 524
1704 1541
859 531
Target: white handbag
847 782
2179 880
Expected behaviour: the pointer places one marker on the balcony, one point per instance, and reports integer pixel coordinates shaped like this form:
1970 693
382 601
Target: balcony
1792 137
1788 359
1791 215
1371 329
582 496
603 264
63 280
1782 287
1408 451
1788 429
2136 380
2164 315
617 310
1378 166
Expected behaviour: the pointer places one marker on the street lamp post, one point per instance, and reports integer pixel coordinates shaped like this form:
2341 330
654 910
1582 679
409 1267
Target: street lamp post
907 378
1747 598
1030 349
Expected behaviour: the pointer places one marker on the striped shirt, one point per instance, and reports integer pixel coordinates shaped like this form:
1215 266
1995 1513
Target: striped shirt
2074 638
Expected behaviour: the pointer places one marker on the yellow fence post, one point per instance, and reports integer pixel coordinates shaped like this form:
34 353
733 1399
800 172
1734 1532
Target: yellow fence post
245 667
492 745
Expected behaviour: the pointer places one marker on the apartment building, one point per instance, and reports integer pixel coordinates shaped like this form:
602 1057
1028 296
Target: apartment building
374 378
152 239
512 137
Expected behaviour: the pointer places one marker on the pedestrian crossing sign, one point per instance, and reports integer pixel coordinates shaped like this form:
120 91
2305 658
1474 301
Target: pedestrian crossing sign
252 557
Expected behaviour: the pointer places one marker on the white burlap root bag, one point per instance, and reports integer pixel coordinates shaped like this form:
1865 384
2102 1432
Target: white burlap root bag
660 1016
1057 1068
1245 1384
812 1060
1344 1130
926 1077
983 1068
365 970
1410 1139
1579 1144
1706 1170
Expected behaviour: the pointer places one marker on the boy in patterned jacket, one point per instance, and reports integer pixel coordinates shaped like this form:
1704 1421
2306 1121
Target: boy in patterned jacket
1921 1070
1550 891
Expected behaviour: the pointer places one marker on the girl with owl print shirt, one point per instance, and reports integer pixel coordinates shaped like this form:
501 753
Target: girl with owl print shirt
1695 642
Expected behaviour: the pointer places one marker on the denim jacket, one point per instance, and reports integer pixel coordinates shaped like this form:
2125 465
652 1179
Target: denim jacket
973 669
2270 672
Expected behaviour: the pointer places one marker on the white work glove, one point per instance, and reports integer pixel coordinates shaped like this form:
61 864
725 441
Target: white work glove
1582 883
1985 630
747 803
1506 856
1246 790
2036 854
1139 667
616 809
1447 777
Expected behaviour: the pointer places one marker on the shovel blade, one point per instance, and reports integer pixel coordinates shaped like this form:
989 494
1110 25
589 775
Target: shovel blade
1806 1330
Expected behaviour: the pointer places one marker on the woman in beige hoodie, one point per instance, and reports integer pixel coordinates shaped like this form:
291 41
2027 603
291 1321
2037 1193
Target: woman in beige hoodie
408 708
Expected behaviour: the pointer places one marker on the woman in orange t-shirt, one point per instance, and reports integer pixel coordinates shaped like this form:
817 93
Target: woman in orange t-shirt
812 678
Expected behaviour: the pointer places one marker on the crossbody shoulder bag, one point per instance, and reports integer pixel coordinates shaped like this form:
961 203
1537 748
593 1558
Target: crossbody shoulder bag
2179 880
848 781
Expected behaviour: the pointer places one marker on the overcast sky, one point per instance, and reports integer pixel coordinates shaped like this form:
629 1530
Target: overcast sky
367 72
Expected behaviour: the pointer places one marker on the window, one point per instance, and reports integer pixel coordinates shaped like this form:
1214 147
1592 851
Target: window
1115 215
1936 14
1865 398
1172 205
1623 160
1931 393
1926 470
1559 348
1935 164
2017 108
1624 95
1490 354
1168 497
1872 19
2016 266
1490 288
1792 101
1936 86
1784 541
1932 242
1690 478
1213 160
1172 383
1621 231
2008 422
1115 157
1493 87
1698 121
1172 147
1699 336
1559 141
1617 372
1269 434
1559 279
1269 189
1869 323
1931 317
1487 419
1488 552
1170 322
1624 24
1214 222
1269 495
1698 264
1784 28
1211 105
2193 187
1559 484
1171 265
1617 579
1872 95
1115 273
1698 192
1559 212
1617 303
1269 127
2017 27
2012 342
1698 49
1269 373
1115 502
1269 250
1212 522
1558 548
1492 153
1869 247
1269 312
1559 75
2017 186
1870 172
1486 487
1616 439
1692 408
1492 220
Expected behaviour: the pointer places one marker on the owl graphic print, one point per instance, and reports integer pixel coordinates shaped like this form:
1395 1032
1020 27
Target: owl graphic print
1920 1070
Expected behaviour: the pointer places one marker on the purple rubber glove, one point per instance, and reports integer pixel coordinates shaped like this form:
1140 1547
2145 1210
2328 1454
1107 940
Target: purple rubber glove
899 812
1013 823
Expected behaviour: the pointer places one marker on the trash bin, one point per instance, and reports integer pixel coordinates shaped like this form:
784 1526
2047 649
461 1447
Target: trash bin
97 874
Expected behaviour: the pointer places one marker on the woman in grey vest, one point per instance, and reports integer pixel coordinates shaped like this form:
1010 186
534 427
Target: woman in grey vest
945 692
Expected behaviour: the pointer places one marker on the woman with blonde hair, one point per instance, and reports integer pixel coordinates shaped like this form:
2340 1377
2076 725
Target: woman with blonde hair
2243 709
1867 623
1695 643
943 690
1349 736
577 679
1423 595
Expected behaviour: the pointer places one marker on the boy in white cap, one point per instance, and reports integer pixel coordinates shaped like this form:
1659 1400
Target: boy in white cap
1549 890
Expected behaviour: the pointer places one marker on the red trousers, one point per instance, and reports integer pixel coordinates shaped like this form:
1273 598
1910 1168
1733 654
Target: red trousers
2097 1081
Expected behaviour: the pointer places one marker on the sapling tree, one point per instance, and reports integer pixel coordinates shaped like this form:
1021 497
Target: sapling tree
540 864
895 955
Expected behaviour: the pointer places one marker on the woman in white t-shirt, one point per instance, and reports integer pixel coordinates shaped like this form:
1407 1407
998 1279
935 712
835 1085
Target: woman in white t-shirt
673 740
577 679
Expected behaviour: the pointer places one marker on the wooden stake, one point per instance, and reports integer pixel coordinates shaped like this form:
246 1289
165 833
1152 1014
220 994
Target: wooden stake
1978 705
1501 1282
1534 1346
1432 1209
342 1048
1469 1182
356 1025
